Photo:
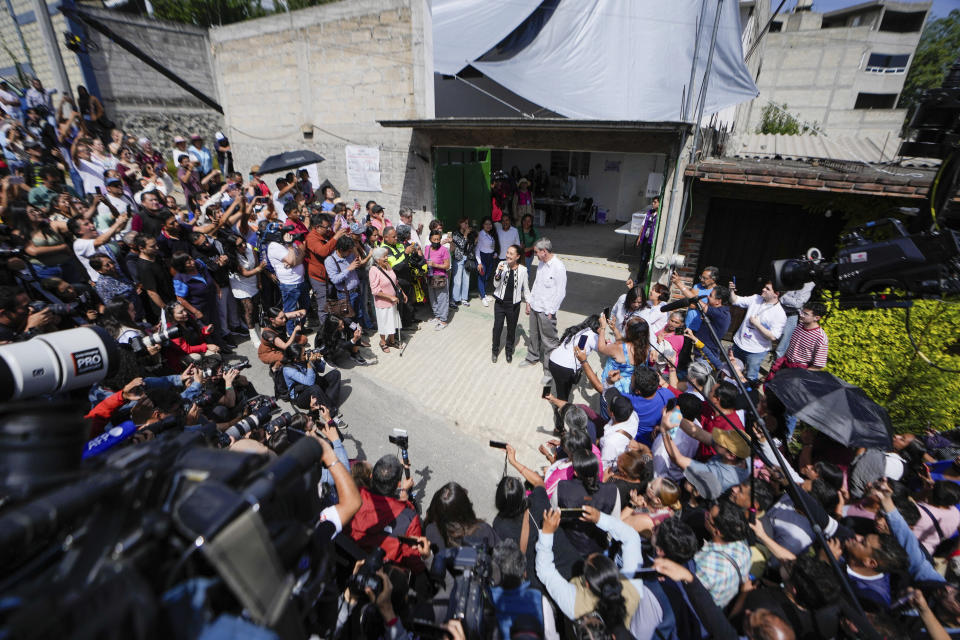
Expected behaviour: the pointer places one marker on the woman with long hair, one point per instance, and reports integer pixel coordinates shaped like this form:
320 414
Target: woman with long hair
632 472
243 283
625 353
488 248
451 521
627 306
563 363
191 342
585 487
528 236
47 251
625 605
299 370
335 336
460 275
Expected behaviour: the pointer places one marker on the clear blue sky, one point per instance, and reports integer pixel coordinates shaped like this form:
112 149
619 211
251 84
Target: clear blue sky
940 7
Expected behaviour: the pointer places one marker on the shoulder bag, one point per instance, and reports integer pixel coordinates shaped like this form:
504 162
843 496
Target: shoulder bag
437 280
337 306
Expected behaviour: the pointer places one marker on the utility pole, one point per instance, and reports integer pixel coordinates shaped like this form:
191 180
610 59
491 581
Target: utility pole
50 43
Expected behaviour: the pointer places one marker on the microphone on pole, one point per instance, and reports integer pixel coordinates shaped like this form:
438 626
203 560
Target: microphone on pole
682 303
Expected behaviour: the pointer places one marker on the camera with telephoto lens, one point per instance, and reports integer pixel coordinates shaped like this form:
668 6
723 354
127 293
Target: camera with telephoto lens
366 576
239 365
245 425
259 402
469 601
56 308
158 338
313 354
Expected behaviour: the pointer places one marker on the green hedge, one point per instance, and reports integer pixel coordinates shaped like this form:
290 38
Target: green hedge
871 350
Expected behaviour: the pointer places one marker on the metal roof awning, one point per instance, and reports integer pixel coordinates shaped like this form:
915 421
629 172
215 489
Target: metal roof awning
548 133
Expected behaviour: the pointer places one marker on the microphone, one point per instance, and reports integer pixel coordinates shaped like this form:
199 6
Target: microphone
681 303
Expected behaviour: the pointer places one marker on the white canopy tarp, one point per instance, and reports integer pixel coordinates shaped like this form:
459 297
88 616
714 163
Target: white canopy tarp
464 30
623 59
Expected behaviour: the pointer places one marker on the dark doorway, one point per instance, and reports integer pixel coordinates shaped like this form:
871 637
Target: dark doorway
742 238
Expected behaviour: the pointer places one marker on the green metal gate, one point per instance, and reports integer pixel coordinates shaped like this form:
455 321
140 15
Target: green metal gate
461 182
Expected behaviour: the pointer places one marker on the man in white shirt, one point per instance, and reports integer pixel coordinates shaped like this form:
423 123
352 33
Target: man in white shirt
120 203
89 242
547 294
792 303
762 324
621 429
287 262
507 234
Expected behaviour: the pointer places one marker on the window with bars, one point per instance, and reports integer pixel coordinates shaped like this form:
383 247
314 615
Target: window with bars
887 63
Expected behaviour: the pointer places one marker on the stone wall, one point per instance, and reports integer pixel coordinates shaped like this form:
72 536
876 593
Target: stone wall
321 78
139 98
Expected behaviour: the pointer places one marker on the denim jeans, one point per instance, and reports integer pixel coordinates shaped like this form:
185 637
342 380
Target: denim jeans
488 260
320 295
787 332
751 361
461 281
356 301
44 271
294 296
440 301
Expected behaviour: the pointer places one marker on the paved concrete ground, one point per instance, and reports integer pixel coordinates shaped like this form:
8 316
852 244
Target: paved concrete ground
449 396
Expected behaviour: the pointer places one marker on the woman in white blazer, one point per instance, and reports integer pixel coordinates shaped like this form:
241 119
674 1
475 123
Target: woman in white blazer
510 289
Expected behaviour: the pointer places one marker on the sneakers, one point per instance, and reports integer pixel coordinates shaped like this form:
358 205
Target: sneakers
493 358
441 326
527 363
453 307
485 302
465 303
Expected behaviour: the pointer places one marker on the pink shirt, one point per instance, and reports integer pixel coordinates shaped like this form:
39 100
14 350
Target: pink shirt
948 519
381 282
435 256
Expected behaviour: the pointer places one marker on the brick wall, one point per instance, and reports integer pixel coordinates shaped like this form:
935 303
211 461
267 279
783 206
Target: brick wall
333 71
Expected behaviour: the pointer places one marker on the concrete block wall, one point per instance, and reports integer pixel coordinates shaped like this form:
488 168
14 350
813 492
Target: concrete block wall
333 71
30 51
140 99
818 73
136 97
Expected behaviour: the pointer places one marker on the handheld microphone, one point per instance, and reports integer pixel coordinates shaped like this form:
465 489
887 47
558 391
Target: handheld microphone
682 303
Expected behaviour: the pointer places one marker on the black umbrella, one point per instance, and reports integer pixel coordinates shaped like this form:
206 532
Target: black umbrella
289 160
834 407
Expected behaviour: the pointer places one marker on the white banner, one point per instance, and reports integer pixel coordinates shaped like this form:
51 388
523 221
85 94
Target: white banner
654 184
363 168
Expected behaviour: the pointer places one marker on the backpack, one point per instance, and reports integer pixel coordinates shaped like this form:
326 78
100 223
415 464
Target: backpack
280 389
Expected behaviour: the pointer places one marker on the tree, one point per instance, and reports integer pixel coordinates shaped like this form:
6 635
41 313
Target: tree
208 13
776 119
871 350
939 46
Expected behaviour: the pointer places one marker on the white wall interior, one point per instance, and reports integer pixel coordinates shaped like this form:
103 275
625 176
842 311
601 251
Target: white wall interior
621 191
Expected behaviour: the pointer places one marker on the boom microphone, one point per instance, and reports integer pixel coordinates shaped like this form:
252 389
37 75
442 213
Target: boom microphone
682 303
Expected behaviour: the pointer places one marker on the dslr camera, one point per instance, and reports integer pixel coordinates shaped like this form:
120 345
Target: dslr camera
158 338
366 576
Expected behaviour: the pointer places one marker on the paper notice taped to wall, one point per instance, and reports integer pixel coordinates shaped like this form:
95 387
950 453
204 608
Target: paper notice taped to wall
654 184
363 168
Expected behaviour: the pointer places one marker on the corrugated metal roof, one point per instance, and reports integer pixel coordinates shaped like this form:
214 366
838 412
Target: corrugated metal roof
866 149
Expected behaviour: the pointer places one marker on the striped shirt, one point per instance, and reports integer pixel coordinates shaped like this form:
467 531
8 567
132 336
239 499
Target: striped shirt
808 346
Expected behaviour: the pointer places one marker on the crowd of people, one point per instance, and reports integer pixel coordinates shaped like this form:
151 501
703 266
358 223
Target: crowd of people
659 509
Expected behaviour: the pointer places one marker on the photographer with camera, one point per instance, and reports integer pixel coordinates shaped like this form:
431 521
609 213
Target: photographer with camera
274 339
191 339
197 292
286 259
335 335
387 512
300 368
18 321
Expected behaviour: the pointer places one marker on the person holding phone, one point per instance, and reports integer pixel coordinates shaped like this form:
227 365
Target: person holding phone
564 365
510 289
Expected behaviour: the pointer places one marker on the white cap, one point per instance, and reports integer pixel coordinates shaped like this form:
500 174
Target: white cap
219 135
